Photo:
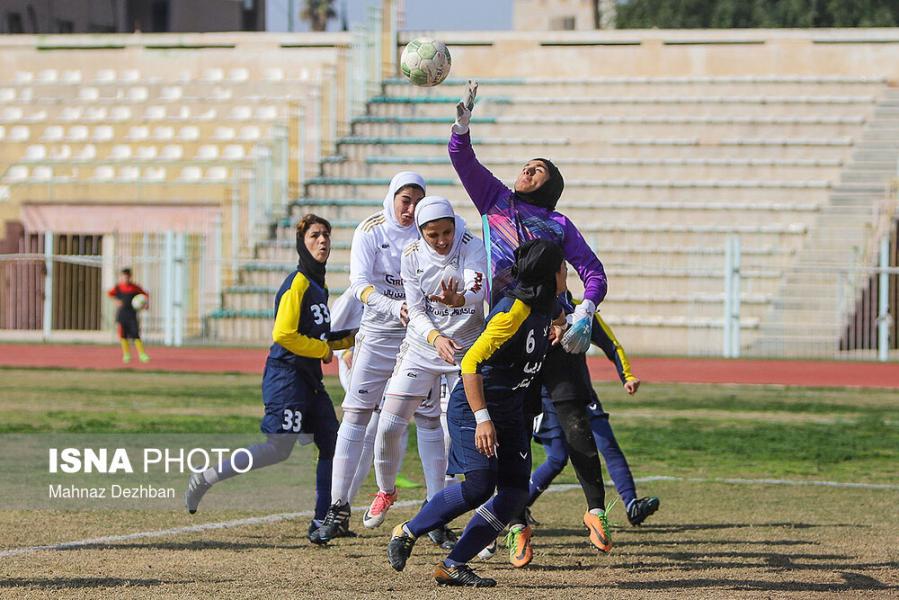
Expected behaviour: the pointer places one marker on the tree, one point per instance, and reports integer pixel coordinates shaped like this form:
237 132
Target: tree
726 14
318 12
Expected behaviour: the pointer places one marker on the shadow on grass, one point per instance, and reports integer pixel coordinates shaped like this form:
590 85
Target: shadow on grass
50 583
851 582
197 545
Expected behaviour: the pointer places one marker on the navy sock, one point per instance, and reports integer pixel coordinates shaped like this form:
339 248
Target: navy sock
323 486
556 457
277 448
439 510
488 522
616 463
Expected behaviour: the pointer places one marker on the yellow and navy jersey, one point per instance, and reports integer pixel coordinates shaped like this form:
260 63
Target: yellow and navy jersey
509 352
303 326
603 336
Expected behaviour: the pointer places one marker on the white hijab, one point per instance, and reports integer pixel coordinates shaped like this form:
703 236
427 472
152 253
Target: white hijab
431 208
403 178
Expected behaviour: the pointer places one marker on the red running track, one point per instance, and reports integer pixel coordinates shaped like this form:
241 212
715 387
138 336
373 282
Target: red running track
658 370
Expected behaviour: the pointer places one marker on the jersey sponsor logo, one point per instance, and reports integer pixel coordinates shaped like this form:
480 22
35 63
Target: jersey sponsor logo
411 374
393 280
362 391
385 245
478 282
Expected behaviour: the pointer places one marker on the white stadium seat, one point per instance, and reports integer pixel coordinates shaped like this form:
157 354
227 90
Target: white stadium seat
36 152
105 76
172 152
146 152
207 152
233 152
120 152
189 133
191 173
16 173
238 75
53 133
21 133
103 133
88 152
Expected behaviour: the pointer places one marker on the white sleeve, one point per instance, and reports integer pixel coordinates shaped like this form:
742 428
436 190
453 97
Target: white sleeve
474 265
420 323
362 259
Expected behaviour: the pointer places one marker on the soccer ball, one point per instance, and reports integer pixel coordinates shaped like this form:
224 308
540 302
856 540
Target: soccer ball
426 62
139 302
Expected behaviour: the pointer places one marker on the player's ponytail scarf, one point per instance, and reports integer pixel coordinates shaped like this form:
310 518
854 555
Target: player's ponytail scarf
432 208
307 265
399 181
548 194
536 265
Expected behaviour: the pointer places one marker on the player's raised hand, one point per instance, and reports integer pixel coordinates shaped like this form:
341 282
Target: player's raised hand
485 438
447 348
329 357
464 108
631 386
448 294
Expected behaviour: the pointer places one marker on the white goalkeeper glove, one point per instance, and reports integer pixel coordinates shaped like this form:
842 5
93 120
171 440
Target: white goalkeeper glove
464 108
577 339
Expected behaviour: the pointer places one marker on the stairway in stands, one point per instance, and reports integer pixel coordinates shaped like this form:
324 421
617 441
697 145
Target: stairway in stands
659 172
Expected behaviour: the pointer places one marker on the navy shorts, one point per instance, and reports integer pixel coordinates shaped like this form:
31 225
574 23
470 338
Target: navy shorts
293 406
512 463
129 329
547 427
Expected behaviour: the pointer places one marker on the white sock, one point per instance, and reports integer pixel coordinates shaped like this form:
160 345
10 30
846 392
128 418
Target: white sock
596 511
388 450
368 452
211 476
433 458
350 438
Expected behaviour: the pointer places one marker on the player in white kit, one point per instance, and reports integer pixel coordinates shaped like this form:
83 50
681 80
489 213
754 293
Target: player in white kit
443 275
375 280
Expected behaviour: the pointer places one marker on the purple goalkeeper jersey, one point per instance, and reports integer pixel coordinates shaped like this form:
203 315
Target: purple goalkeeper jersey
513 221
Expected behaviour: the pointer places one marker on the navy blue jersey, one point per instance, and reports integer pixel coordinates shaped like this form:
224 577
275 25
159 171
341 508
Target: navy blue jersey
302 326
509 353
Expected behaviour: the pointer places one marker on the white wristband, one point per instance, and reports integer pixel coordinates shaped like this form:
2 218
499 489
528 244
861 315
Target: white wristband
481 416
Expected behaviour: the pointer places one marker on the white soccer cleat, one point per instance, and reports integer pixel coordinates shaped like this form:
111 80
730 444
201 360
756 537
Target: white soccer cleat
488 552
375 514
196 489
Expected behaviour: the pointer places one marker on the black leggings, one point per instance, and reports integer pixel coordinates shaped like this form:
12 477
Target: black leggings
567 380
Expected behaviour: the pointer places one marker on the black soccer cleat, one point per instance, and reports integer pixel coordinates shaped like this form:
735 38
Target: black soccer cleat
444 537
196 489
399 548
460 576
641 509
336 520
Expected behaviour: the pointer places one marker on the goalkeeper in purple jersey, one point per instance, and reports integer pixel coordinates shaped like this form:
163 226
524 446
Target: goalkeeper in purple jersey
513 217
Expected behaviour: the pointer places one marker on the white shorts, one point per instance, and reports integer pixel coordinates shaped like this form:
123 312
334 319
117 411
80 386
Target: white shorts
420 377
374 358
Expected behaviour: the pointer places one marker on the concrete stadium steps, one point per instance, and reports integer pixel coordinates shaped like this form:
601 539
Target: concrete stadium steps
662 334
640 279
113 191
614 127
788 237
605 105
648 86
642 146
229 327
173 131
677 336
151 152
737 190
605 168
787 211
645 253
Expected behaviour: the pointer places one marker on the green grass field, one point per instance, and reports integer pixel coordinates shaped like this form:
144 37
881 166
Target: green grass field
711 538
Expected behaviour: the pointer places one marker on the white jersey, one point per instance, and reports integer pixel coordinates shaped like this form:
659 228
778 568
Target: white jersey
375 263
423 273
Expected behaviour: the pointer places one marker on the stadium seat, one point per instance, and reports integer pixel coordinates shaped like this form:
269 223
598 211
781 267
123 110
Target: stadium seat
7 95
189 133
191 173
103 133
88 94
233 152
171 93
214 75
105 76
53 133
11 113
207 152
137 94
47 76
119 113
71 76
163 133
104 173
146 152
88 152
155 174
71 113
36 152
224 133
16 173
273 74
216 174
249 133
172 152
238 75
24 77
120 152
